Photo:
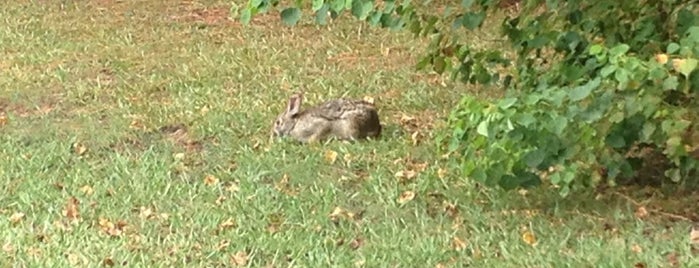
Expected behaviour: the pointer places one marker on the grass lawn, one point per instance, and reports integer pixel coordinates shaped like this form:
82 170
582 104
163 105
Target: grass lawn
136 133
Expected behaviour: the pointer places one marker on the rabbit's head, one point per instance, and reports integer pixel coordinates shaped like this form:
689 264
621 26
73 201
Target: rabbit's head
286 121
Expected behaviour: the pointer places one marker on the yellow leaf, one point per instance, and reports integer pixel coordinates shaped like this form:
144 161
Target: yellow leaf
529 238
3 120
336 214
16 217
369 99
229 223
406 197
330 156
146 213
661 58
405 175
210 180
441 173
458 244
87 190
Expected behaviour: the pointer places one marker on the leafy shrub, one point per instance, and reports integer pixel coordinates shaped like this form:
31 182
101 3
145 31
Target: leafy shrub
591 86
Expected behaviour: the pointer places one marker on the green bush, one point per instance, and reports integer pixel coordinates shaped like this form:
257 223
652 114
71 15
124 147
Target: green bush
590 87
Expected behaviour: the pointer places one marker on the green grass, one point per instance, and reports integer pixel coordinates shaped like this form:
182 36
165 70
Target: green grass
87 86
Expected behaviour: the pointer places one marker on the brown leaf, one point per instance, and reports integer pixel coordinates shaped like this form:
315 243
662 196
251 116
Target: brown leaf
405 175
639 265
111 228
71 210
641 212
336 214
210 180
3 119
220 200
529 238
458 244
356 243
694 235
79 148
406 197
451 209
672 259
223 245
108 261
16 217
239 259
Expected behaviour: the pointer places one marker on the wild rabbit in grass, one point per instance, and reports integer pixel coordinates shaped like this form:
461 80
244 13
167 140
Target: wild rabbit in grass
344 119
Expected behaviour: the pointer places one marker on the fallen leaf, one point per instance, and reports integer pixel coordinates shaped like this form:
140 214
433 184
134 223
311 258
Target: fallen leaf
232 187
458 244
73 259
641 212
3 120
359 263
639 265
636 248
220 200
16 217
79 148
529 238
111 228
87 190
661 58
229 223
239 259
223 245
146 213
416 137
405 175
406 197
672 259
71 210
108 261
677 64
336 214
210 180
451 209
368 99
330 156
441 173
356 243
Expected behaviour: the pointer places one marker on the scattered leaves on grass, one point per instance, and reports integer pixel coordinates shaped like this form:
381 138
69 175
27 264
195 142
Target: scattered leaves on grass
451 209
16 217
210 180
458 244
239 259
406 197
330 156
232 187
220 200
405 175
529 237
284 186
146 213
71 209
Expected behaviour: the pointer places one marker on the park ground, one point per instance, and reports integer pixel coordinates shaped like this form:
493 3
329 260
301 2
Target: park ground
136 133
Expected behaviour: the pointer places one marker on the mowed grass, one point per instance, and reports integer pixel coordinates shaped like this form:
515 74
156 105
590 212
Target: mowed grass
136 133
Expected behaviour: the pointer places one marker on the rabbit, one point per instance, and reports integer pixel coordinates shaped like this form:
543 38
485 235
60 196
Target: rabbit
344 119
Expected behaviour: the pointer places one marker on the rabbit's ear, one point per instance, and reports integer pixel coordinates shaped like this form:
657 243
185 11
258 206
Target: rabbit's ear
294 105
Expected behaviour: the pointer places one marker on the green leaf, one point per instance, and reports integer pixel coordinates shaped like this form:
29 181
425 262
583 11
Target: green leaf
617 117
439 64
255 3
558 124
361 8
466 3
534 158
687 66
647 132
622 76
322 14
672 48
671 83
337 5
507 103
472 20
483 128
290 16
619 50
245 16
595 49
607 70
317 4
581 92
